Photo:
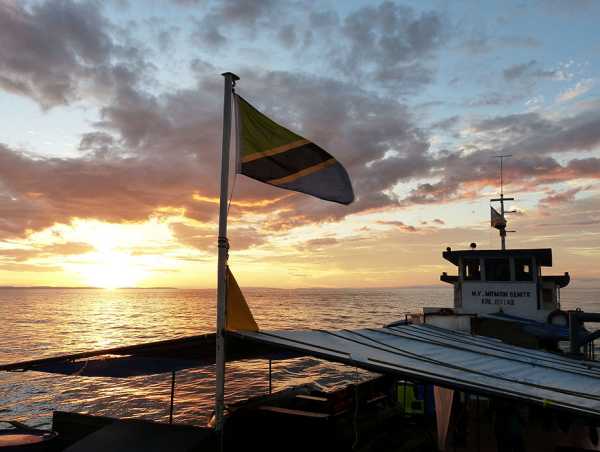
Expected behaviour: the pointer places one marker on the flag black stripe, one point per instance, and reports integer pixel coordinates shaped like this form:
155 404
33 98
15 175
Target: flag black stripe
286 163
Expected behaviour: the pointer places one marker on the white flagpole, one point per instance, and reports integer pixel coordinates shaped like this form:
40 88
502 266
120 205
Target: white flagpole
223 246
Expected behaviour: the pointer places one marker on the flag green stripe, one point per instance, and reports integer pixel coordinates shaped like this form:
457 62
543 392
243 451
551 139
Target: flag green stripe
259 133
286 163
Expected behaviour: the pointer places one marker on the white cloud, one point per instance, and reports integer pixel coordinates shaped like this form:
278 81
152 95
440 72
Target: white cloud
579 89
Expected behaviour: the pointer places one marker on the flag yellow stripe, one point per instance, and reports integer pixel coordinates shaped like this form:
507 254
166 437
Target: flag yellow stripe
274 151
304 172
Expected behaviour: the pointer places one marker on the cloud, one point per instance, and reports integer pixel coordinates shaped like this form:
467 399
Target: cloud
389 43
58 249
531 70
317 244
579 89
447 123
480 42
398 225
54 51
518 70
554 198
205 239
532 133
17 267
287 35
249 16
150 151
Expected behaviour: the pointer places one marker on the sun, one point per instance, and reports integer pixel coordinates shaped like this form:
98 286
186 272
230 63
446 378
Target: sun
112 270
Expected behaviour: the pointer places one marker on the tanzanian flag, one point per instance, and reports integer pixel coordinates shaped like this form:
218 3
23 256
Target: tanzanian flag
277 156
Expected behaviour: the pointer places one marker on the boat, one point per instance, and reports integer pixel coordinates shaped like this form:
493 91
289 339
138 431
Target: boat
502 293
465 377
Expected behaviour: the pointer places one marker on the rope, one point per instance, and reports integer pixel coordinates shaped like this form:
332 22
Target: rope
237 149
231 194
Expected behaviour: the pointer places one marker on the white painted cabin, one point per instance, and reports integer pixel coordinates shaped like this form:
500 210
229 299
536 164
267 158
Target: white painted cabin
504 281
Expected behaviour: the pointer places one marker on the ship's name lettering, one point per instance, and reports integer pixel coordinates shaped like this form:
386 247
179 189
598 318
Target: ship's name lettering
502 293
498 301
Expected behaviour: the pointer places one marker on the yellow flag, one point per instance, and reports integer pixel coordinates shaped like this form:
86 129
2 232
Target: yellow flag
239 316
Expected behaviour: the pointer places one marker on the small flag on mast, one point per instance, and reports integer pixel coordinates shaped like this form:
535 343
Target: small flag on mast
239 316
270 153
498 221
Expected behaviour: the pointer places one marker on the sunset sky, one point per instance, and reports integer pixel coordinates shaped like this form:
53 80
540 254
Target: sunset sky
111 130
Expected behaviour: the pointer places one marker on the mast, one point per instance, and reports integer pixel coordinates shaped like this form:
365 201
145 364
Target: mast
501 199
223 246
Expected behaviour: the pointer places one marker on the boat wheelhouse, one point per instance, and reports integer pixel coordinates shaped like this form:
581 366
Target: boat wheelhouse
504 281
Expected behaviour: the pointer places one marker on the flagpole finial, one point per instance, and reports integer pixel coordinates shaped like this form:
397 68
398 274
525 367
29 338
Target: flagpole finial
230 74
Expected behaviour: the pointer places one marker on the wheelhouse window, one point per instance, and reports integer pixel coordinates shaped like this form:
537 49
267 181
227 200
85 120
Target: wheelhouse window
523 269
471 269
497 269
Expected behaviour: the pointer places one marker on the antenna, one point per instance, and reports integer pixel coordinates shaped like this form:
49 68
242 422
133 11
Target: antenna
501 226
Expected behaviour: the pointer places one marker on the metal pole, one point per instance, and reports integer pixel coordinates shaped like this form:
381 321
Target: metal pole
270 379
223 247
404 400
478 425
573 326
172 396
501 181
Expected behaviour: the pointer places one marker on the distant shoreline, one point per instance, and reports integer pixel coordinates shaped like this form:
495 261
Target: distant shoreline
84 288
432 286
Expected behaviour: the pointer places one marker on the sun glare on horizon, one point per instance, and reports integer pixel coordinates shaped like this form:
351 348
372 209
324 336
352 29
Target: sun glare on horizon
112 270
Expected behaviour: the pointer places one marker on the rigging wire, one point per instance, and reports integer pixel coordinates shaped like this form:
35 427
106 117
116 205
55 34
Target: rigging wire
237 151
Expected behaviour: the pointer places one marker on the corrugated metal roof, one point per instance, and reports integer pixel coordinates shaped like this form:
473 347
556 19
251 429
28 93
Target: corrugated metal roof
453 359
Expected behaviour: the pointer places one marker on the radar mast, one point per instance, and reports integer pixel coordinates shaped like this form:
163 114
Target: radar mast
498 220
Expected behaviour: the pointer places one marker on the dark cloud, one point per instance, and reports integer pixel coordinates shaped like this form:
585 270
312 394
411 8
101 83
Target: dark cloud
493 99
224 19
205 239
208 34
555 198
52 50
58 249
528 72
392 44
287 35
155 152
479 42
389 43
518 70
151 152
447 123
323 19
519 124
531 133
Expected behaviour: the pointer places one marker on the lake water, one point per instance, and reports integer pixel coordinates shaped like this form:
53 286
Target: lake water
46 322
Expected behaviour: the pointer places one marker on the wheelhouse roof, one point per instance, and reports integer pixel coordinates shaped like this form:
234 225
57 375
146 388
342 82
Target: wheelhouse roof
543 256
